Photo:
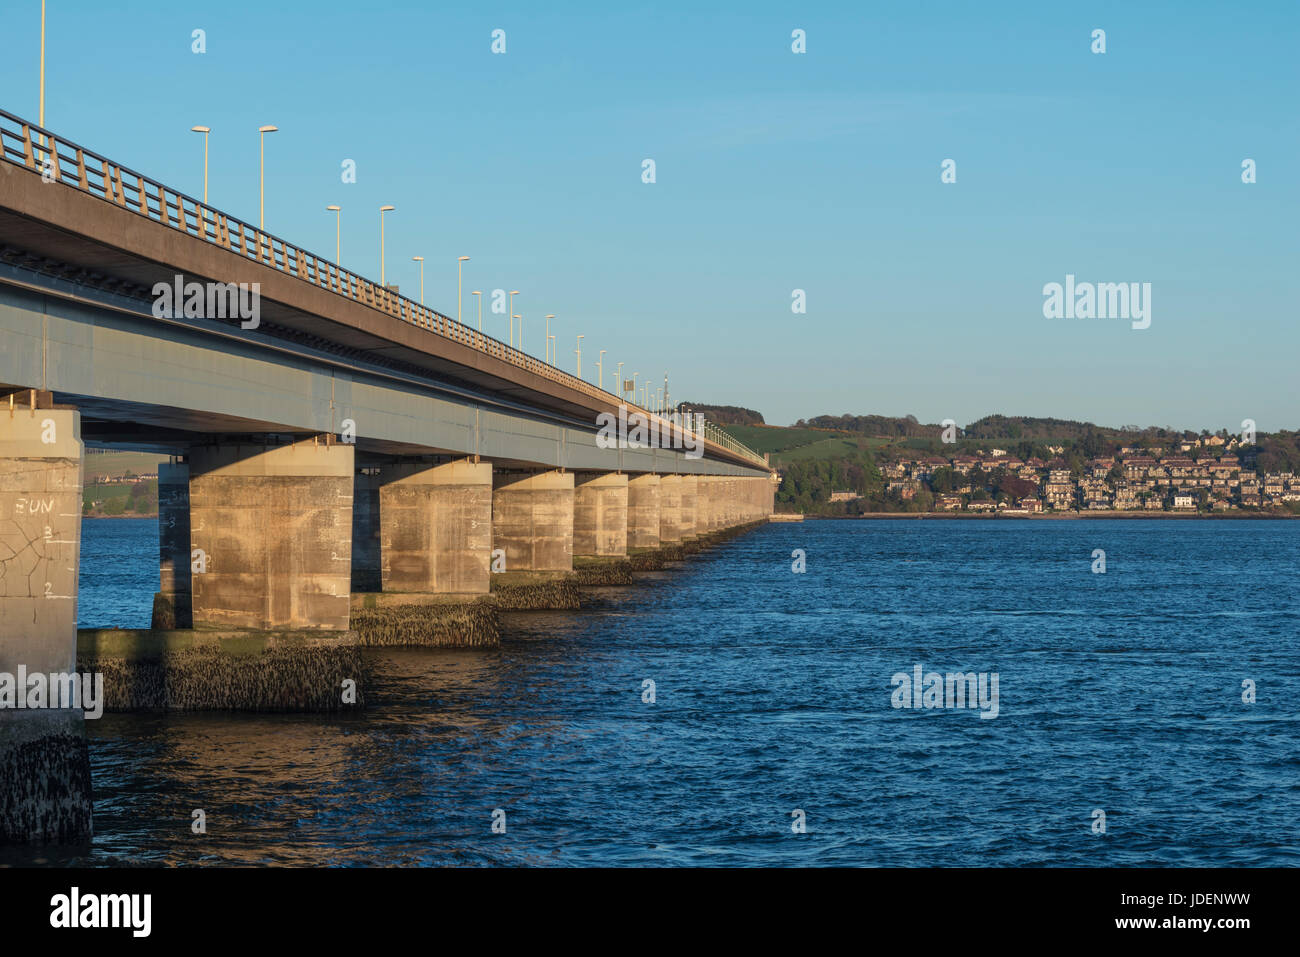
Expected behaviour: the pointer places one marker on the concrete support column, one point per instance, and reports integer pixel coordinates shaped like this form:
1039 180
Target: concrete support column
644 507
689 522
367 556
435 526
173 604
45 791
705 515
670 509
600 514
532 519
272 527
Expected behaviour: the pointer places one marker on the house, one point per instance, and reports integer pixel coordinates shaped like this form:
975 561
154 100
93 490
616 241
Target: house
1184 502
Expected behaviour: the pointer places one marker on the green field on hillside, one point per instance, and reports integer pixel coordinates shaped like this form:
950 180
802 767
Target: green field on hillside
125 499
117 464
801 444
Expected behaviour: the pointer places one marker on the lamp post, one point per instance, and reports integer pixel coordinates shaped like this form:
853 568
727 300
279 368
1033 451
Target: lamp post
600 369
621 393
521 332
550 340
338 230
634 375
41 119
261 175
513 293
205 131
549 317
462 259
479 294
383 276
579 353
420 260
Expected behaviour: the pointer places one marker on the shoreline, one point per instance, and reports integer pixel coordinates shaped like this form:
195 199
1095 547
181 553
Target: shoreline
1055 516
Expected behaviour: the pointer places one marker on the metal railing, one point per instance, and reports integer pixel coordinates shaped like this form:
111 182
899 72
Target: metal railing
58 160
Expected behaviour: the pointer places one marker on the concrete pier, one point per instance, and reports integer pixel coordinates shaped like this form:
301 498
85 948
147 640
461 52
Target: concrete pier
670 509
705 517
172 606
644 504
689 500
271 535
600 514
532 519
45 791
435 527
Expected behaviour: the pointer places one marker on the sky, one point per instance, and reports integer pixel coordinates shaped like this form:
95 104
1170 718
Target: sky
775 171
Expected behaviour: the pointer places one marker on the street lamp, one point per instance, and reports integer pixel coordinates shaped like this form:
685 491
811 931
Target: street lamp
383 277
205 131
621 393
462 259
41 118
634 375
600 369
549 317
261 175
513 293
338 223
479 293
579 352
521 332
420 260
550 340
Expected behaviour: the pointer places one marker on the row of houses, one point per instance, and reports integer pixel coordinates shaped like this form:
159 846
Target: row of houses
1136 479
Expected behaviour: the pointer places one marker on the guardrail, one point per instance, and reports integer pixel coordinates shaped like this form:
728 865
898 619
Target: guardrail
62 161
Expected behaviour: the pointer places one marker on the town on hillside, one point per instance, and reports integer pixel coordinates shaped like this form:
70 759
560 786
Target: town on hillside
1208 474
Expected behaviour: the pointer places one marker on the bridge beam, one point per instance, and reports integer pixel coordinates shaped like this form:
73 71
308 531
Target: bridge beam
45 788
644 505
532 519
271 535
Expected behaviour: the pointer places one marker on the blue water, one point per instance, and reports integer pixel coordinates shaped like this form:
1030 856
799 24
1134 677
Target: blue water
1118 691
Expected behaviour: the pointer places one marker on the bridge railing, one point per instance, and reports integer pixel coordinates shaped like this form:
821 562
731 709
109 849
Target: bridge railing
58 160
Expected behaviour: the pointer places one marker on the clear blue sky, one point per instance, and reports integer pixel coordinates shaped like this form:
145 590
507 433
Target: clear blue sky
775 171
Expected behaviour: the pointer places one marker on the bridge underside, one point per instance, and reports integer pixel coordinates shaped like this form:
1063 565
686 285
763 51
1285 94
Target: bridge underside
332 449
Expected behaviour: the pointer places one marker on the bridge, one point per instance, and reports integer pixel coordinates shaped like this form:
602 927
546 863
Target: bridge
345 440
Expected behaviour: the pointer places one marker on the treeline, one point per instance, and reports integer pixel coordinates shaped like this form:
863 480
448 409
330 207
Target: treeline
806 485
1277 452
875 425
724 414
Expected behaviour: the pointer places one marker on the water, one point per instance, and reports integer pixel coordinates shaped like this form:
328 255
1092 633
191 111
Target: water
1119 691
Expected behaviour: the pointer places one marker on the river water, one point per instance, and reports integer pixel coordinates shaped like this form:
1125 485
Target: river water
1118 692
